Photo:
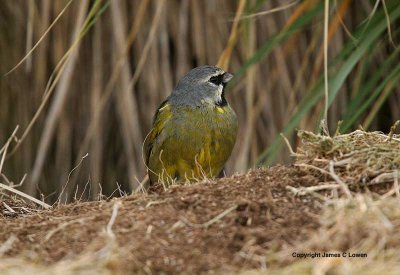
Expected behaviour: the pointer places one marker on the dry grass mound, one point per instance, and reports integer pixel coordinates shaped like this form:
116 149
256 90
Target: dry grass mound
361 158
341 196
361 235
360 219
227 225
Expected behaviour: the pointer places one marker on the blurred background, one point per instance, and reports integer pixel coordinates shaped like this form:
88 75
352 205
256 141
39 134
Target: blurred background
84 98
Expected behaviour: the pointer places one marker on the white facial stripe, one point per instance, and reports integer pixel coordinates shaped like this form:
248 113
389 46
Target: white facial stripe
219 93
217 97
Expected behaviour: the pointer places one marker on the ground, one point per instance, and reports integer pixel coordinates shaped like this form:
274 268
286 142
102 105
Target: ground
341 196
226 225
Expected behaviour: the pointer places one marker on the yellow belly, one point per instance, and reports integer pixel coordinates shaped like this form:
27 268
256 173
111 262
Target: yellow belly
194 146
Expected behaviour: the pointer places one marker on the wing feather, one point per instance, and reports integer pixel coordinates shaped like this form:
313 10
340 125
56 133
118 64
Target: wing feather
161 117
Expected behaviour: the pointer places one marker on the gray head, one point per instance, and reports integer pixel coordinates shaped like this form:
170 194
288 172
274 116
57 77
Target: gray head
202 85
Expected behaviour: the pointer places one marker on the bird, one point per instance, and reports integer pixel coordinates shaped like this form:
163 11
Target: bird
194 129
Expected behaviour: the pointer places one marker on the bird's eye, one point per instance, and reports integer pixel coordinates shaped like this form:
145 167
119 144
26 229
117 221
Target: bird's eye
217 79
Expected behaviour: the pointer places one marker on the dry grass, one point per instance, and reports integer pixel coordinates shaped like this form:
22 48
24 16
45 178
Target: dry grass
361 225
106 262
357 218
86 84
96 92
360 221
361 158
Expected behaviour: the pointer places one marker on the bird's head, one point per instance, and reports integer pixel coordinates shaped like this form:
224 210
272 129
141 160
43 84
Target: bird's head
201 85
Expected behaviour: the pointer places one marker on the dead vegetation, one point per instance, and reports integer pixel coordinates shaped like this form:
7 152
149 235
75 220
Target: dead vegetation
92 73
358 174
341 195
351 160
226 225
254 221
364 228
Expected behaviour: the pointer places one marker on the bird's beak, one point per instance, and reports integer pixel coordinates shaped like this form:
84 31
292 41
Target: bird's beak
226 77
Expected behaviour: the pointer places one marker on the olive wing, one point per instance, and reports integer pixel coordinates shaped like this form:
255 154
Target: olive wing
162 116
